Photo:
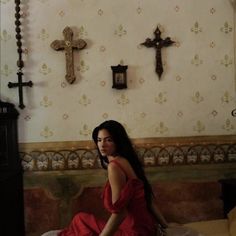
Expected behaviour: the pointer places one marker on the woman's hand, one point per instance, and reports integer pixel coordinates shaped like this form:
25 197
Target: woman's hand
160 231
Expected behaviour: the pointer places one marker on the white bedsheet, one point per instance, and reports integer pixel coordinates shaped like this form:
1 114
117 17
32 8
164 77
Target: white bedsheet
211 227
201 228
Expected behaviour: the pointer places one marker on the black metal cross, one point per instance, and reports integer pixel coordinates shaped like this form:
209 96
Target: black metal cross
158 43
20 85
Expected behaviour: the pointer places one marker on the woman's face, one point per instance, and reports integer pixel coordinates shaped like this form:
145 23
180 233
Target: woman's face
105 143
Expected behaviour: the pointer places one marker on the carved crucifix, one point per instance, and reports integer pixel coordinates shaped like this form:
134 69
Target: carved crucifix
158 43
68 45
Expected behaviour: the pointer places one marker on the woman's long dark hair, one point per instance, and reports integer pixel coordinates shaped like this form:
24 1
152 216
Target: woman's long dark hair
125 149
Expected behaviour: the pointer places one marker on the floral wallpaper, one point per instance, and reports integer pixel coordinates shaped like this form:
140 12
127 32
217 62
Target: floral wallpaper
194 96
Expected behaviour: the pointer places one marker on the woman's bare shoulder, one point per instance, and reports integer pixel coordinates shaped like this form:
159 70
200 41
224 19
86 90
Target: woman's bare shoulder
115 167
116 175
126 166
122 160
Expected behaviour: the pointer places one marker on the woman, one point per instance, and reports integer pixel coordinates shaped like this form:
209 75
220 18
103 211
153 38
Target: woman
127 195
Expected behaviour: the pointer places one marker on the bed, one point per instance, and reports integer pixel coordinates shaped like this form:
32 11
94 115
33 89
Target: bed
221 227
200 206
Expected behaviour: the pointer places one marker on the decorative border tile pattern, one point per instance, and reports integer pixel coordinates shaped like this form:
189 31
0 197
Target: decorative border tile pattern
152 152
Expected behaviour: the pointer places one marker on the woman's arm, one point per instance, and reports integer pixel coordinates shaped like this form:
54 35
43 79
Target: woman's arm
113 223
117 181
158 215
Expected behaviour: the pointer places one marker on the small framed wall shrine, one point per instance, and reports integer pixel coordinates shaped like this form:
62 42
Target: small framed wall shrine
119 76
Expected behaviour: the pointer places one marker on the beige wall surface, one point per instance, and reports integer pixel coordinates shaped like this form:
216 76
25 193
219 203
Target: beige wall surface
194 97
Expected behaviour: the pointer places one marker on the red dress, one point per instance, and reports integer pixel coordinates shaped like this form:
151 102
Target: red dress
138 221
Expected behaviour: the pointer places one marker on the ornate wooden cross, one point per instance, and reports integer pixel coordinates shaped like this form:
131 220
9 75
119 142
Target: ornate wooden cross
20 62
68 45
158 43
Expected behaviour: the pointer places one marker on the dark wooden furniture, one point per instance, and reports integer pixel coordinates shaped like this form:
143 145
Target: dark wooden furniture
228 194
11 180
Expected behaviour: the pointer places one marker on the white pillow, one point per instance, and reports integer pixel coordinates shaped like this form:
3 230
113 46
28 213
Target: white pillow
51 233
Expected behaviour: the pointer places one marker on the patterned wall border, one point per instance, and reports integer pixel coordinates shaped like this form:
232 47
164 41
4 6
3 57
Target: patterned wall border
152 151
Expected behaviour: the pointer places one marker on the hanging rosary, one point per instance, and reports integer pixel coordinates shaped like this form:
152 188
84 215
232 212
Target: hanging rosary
20 63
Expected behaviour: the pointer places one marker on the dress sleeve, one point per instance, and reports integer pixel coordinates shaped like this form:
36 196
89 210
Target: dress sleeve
126 195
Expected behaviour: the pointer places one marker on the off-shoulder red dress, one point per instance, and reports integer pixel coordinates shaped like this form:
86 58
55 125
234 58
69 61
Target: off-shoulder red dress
138 221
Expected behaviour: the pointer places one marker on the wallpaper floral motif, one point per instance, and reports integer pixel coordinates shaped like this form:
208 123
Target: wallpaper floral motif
195 95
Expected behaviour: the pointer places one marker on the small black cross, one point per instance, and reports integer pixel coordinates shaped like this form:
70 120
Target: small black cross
20 85
158 43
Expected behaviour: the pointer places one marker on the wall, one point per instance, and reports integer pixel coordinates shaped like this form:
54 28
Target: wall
194 97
